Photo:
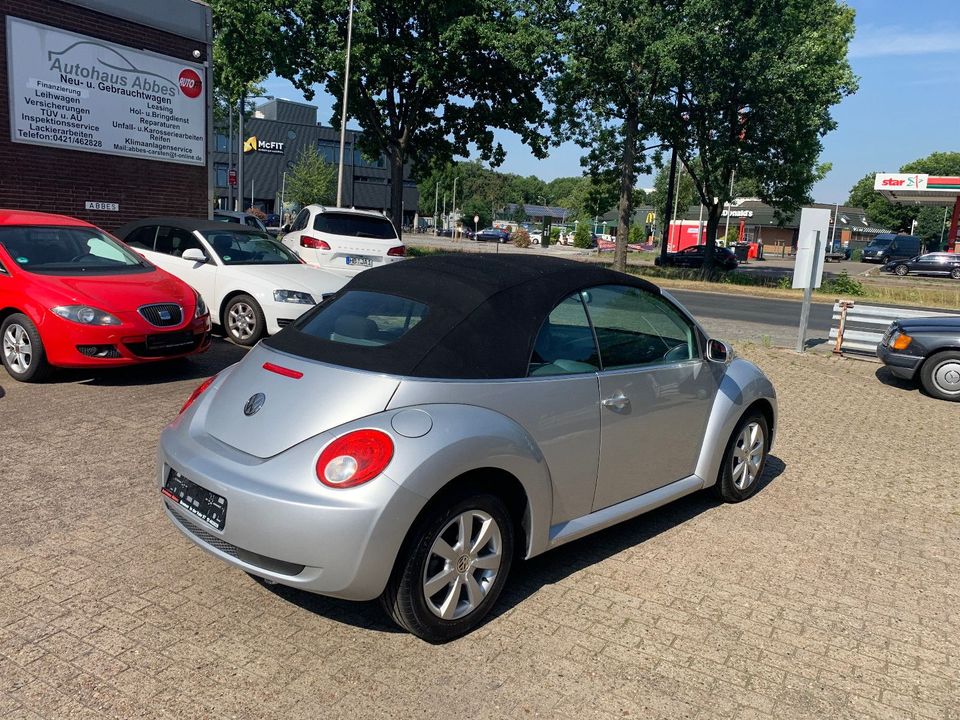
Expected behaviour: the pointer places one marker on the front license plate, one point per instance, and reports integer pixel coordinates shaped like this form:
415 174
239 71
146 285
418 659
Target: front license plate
360 260
165 341
198 501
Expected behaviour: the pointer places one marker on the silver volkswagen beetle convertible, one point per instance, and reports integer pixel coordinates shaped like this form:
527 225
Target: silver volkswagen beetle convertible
412 436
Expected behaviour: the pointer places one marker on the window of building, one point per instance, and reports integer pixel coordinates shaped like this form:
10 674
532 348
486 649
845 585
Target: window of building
220 171
330 151
221 143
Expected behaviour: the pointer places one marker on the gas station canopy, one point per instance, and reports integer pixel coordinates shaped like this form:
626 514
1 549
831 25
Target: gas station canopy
917 189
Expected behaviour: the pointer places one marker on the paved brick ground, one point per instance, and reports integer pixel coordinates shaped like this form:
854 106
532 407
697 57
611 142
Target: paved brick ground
834 593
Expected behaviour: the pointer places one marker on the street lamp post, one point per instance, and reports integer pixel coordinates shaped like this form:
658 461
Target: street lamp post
436 200
343 110
454 209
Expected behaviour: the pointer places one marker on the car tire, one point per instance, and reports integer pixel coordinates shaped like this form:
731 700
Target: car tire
21 349
744 459
420 568
940 375
901 270
243 320
955 273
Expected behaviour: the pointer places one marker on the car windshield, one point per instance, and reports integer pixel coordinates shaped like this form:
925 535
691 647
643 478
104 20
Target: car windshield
248 248
880 242
363 318
69 251
351 225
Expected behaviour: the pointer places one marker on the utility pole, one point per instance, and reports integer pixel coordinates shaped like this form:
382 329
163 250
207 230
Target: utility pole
444 211
230 159
436 198
243 102
343 110
454 210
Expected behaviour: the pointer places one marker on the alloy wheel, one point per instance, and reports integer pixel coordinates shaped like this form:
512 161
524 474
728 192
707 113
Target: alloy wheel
462 564
748 456
241 321
901 270
17 348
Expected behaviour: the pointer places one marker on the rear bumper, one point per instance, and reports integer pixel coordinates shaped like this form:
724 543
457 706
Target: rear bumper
901 365
282 524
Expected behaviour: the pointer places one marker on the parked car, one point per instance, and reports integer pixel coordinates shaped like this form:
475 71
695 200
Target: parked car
925 349
536 237
493 235
935 263
240 218
448 442
692 257
252 284
73 296
887 246
342 240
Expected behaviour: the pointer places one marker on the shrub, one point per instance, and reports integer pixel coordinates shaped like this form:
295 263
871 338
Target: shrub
554 235
785 283
857 255
583 238
636 235
843 284
520 238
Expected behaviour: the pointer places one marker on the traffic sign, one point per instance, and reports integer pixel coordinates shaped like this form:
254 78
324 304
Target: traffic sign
476 219
232 176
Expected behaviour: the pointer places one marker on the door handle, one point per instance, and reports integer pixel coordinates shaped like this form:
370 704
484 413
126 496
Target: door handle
617 402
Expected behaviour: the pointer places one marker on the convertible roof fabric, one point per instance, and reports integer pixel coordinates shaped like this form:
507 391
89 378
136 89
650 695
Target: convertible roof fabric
484 314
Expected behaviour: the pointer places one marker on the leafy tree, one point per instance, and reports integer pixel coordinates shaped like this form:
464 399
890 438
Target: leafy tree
606 93
583 236
685 198
311 180
427 80
753 95
637 235
519 214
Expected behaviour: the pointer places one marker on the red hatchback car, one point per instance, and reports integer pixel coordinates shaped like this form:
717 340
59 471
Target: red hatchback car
73 296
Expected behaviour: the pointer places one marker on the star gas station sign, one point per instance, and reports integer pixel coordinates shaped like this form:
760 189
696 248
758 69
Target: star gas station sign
919 189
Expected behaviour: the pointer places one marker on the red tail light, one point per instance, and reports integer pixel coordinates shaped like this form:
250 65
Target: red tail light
398 251
355 458
316 244
196 393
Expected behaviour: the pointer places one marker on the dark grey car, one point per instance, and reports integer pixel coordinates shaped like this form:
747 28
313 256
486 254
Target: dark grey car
927 349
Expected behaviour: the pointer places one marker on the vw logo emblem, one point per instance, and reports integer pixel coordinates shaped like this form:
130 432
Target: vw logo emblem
254 404
463 564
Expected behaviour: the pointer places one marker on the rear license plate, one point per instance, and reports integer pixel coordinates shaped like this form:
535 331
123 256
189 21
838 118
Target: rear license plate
360 260
165 341
198 501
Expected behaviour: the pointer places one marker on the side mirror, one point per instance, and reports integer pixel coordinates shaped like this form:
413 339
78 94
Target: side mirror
719 352
194 255
285 228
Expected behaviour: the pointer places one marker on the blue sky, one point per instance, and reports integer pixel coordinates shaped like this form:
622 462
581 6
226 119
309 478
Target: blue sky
907 56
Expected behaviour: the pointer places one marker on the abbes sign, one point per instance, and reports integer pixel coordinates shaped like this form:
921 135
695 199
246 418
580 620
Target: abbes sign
81 93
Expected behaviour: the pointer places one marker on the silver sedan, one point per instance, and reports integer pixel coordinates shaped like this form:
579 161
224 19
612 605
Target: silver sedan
438 419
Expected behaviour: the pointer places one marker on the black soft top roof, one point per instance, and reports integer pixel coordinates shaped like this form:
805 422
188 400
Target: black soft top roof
484 314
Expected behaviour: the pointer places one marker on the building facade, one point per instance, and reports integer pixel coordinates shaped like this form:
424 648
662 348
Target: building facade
108 108
273 139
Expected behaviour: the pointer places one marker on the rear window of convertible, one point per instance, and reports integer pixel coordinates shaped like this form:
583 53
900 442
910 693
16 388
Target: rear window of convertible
363 318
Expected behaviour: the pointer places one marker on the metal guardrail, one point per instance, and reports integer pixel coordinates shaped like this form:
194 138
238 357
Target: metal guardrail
867 318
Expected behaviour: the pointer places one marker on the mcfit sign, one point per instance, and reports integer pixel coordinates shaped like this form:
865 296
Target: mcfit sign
254 145
73 91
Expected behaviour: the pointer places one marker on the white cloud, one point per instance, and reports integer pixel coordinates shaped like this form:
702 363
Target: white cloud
892 40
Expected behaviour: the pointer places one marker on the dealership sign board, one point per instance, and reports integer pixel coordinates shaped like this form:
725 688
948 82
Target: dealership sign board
900 181
77 92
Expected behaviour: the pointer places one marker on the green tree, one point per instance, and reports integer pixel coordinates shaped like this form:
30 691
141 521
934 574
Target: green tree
607 91
753 94
427 80
583 235
519 214
311 180
685 198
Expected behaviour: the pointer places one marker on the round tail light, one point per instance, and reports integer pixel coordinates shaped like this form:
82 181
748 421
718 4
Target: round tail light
355 458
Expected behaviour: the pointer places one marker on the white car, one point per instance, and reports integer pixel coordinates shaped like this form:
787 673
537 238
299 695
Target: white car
343 240
252 284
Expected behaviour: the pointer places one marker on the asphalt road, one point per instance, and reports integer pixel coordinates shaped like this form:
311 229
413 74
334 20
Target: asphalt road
755 310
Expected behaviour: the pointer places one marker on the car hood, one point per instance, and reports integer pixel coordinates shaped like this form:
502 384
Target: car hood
305 278
946 324
120 293
294 408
